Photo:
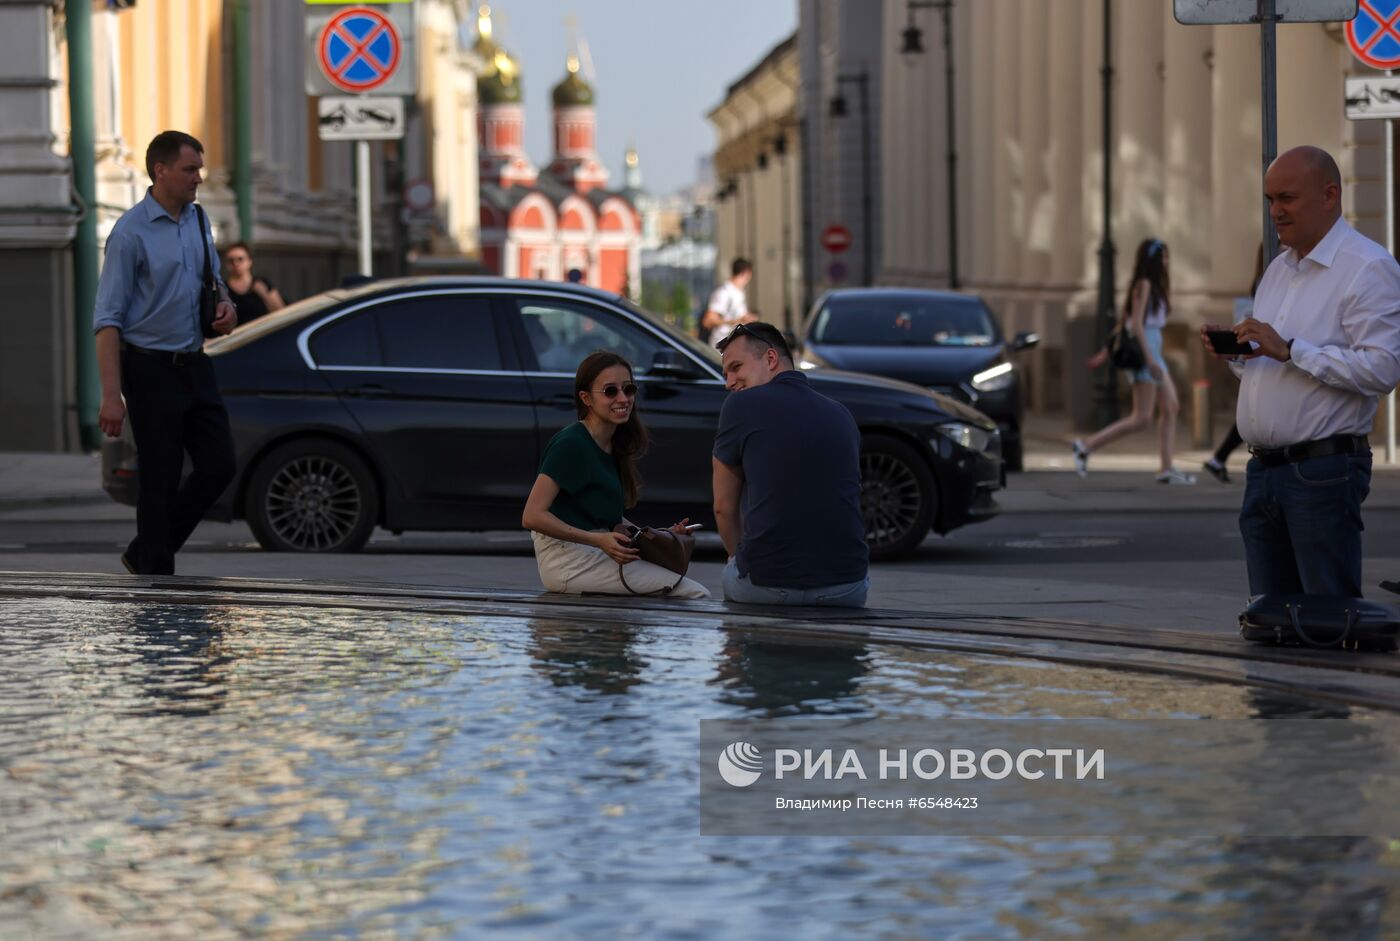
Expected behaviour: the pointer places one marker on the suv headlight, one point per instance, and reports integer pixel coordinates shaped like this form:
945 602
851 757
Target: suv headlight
971 437
995 378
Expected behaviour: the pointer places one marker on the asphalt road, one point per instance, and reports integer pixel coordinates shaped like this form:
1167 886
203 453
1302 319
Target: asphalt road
1175 568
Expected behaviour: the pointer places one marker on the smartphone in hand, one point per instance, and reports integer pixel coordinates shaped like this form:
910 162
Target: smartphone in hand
1226 343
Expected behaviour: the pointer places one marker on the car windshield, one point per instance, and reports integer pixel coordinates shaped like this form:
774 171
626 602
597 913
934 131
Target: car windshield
688 340
903 320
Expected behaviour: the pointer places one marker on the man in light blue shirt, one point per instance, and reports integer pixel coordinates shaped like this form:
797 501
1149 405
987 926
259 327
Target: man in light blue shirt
149 340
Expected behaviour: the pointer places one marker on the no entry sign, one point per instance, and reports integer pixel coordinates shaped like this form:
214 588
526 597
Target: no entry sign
836 238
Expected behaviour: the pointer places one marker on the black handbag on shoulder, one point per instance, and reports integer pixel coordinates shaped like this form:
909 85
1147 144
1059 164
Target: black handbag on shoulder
1124 350
208 287
1324 621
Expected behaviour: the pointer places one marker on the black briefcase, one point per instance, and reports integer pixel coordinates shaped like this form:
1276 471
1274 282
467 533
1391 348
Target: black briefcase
1327 621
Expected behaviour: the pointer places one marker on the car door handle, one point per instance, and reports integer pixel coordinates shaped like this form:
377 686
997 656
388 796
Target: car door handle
565 399
367 391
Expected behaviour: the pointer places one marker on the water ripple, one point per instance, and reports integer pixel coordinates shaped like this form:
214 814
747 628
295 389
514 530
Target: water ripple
231 772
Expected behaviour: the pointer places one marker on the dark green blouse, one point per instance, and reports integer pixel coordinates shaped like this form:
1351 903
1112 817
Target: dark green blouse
590 488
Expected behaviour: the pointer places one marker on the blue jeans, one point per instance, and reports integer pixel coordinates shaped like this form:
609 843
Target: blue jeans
1302 525
738 588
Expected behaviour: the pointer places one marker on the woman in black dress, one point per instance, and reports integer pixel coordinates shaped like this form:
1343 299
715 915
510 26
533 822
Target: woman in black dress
252 297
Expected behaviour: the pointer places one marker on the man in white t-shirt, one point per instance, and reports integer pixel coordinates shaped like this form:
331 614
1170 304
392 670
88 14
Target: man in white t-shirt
728 307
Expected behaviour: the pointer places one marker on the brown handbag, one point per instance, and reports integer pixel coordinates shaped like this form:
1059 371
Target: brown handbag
661 547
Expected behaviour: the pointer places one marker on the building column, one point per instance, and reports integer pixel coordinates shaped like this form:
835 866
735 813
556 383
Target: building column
980 104
1236 218
1138 62
1186 135
1067 152
1005 152
1033 143
1062 212
121 178
38 223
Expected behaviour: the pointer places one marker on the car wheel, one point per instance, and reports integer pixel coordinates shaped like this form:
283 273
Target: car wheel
312 496
898 496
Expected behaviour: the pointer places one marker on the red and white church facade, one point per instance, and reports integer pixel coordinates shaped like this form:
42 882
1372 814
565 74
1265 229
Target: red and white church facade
543 224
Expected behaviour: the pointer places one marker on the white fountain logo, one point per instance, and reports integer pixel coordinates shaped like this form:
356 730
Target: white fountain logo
740 764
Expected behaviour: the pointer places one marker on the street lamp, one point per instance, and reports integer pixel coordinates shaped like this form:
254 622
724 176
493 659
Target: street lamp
861 80
912 46
1106 406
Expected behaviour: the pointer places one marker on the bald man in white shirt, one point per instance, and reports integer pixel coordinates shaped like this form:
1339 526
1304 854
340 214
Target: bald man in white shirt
1326 336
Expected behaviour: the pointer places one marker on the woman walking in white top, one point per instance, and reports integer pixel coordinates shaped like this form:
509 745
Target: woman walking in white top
1144 315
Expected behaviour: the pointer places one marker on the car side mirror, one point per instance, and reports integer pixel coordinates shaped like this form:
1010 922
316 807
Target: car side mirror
1025 341
668 364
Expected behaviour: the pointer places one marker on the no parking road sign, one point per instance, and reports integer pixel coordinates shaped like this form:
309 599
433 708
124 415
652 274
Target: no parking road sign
360 49
1374 36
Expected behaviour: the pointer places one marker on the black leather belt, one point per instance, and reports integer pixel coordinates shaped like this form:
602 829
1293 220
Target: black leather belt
175 358
1322 447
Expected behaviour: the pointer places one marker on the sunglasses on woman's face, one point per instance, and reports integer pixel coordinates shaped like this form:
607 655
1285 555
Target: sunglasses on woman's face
611 390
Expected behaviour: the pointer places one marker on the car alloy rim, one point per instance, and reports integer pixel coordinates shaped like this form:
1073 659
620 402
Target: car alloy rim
890 499
313 503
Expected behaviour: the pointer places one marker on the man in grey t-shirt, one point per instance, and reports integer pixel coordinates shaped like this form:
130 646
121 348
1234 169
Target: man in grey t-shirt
786 481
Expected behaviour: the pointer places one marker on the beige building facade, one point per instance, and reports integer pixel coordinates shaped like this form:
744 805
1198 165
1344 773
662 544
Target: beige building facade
1186 165
758 173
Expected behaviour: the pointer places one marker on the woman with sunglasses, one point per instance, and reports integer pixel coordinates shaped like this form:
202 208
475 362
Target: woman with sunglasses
588 478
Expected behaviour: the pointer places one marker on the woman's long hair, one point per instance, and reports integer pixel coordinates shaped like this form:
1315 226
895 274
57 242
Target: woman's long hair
630 440
1150 266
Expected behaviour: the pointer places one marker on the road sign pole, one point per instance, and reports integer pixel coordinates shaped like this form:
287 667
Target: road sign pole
366 242
1390 247
1268 62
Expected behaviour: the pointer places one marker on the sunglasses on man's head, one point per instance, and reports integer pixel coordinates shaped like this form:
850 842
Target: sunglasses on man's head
747 330
611 390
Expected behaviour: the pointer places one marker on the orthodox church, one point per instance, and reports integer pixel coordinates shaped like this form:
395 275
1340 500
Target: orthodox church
545 224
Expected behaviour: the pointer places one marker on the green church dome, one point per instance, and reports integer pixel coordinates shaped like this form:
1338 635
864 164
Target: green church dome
573 91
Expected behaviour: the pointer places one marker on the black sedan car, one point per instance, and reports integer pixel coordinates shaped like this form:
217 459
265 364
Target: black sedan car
424 404
946 341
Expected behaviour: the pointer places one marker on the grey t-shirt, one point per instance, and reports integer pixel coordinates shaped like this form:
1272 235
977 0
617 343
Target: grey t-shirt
800 455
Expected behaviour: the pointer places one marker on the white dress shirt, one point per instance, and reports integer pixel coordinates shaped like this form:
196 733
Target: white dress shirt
729 302
1340 305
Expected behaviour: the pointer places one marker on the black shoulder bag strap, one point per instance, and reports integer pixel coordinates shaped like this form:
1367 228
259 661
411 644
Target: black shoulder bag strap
209 289
204 240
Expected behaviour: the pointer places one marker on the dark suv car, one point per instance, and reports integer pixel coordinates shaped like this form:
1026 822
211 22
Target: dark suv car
946 341
424 404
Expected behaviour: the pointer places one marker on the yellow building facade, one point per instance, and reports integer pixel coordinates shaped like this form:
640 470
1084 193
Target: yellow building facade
175 64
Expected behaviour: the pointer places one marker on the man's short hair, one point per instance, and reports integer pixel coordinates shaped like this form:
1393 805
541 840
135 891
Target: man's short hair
739 266
759 336
165 148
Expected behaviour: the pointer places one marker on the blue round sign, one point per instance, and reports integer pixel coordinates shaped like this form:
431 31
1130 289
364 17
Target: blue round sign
359 49
1374 36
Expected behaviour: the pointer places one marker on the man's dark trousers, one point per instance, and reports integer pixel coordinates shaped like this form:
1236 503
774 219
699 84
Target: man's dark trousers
1301 525
174 408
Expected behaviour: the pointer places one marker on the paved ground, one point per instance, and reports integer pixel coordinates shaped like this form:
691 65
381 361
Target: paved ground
1112 548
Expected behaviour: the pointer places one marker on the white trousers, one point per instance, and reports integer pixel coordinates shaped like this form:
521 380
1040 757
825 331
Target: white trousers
574 569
